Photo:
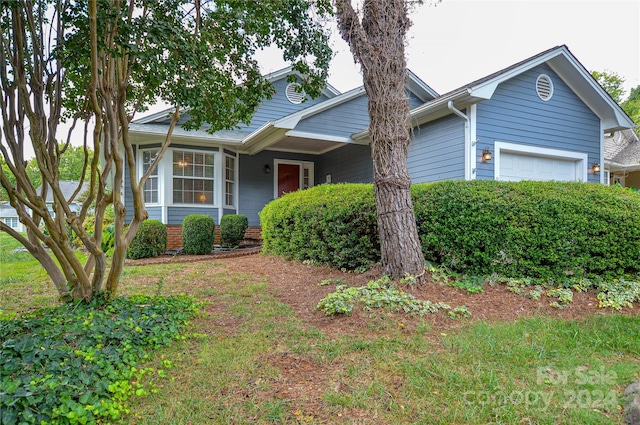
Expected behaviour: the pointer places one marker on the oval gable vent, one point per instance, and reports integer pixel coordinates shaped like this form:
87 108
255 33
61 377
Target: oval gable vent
544 87
293 94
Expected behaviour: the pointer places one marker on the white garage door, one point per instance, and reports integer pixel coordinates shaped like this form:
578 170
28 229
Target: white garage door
518 166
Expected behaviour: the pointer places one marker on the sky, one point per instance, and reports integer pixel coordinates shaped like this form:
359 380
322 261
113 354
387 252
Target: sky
458 41
455 42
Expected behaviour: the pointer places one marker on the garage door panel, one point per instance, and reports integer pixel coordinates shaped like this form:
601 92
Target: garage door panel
517 166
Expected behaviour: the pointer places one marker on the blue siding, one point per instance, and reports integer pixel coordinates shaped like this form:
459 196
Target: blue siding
177 214
227 211
436 151
342 120
155 213
278 106
255 186
516 114
350 163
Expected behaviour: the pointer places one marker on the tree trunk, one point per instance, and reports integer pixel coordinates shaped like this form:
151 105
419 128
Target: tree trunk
377 43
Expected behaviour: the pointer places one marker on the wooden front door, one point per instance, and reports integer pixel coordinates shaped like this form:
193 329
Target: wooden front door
288 178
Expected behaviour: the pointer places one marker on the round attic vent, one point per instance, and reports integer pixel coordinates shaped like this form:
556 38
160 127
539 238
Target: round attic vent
544 87
294 96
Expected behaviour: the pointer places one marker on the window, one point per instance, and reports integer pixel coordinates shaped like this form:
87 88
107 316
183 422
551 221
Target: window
305 178
193 179
151 185
11 222
229 180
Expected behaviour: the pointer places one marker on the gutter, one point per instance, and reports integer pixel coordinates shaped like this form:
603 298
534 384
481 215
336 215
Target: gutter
456 111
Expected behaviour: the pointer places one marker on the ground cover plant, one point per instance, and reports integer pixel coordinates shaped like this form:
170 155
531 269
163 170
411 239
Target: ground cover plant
79 363
266 356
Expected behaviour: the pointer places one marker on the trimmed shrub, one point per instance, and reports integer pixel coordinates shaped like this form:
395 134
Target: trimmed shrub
150 240
549 230
198 234
327 224
232 228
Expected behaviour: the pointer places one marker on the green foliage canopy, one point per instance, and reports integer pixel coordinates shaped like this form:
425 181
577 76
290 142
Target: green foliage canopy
612 82
199 55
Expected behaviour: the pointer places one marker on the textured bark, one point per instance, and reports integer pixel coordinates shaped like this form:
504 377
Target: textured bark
377 42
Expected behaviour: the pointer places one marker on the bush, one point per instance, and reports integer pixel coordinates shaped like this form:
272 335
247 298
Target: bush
232 228
198 234
549 230
108 239
329 224
150 240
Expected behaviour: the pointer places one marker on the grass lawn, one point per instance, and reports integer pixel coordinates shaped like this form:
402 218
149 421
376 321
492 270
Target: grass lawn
259 363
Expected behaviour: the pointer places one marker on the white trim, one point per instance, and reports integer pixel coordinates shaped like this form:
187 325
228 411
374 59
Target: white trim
580 158
216 178
302 165
317 136
235 181
602 179
471 145
140 173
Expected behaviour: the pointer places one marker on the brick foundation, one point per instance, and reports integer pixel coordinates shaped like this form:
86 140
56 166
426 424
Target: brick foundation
174 233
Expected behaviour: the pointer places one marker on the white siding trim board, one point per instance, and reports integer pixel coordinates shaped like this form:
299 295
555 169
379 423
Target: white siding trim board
471 145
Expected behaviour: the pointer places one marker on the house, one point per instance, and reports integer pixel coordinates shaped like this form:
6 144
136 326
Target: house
68 188
622 158
543 118
9 216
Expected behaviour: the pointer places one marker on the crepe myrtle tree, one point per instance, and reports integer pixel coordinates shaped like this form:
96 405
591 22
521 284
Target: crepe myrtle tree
101 62
376 34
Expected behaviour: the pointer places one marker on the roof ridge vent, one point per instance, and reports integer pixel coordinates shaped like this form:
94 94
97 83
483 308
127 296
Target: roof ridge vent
544 87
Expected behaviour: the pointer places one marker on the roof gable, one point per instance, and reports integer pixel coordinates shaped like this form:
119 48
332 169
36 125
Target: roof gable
563 63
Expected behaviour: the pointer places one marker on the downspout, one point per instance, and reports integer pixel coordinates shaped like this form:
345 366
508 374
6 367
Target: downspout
456 111
468 169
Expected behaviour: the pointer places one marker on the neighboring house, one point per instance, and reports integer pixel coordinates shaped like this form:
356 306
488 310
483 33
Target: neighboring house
68 188
622 158
543 118
9 215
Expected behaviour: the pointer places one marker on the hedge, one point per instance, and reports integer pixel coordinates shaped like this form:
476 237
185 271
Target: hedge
198 234
547 230
328 224
149 241
232 229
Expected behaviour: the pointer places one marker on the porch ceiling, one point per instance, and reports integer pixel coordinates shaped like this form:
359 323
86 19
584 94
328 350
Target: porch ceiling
305 145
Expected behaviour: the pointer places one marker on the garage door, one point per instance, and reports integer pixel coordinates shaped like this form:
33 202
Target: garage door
518 166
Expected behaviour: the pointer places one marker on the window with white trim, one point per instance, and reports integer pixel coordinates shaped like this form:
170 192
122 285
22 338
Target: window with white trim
11 222
229 180
193 177
151 185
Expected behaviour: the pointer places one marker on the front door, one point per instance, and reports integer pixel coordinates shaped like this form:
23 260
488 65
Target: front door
288 178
